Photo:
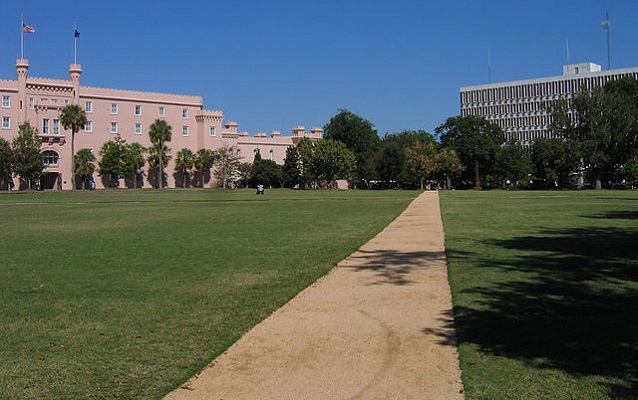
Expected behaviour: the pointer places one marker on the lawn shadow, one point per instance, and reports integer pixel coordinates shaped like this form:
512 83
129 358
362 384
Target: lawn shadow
392 266
572 304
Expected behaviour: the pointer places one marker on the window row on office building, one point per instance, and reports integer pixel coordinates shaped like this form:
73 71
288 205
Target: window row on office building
522 108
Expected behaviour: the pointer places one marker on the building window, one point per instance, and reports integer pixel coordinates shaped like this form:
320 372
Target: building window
6 122
56 126
138 129
213 131
162 111
31 103
88 127
184 112
6 101
185 130
50 158
45 126
113 127
113 108
271 155
88 106
138 110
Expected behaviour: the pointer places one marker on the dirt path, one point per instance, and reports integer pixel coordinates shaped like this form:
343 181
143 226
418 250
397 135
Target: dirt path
378 326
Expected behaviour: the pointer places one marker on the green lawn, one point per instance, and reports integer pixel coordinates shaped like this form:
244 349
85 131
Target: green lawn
545 288
125 294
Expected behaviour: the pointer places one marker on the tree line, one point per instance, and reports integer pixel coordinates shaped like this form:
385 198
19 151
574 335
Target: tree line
594 141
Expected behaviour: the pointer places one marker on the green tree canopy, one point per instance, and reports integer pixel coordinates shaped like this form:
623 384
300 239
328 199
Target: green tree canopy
112 163
203 162
134 162
475 140
184 162
331 161
6 159
84 165
554 163
421 160
27 160
359 135
601 125
265 172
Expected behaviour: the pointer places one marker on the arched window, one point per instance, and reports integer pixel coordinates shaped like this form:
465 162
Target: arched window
50 158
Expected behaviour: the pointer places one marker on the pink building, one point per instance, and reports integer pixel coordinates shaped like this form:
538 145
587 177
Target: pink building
127 113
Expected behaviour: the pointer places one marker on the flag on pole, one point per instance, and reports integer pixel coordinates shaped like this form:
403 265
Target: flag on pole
27 28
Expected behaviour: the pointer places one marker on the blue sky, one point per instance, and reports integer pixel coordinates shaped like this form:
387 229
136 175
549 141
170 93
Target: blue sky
274 64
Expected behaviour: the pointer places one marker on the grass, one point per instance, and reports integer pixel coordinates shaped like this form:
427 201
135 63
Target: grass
126 294
545 289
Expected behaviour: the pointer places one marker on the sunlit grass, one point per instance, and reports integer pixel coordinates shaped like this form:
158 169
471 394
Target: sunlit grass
125 294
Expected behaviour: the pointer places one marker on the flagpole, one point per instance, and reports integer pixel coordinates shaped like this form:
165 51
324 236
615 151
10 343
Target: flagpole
75 43
21 36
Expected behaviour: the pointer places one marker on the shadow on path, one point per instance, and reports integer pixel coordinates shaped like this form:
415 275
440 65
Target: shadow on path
392 266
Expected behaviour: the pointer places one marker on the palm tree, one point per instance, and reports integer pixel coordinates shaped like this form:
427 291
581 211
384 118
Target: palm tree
157 155
204 161
135 160
72 117
160 132
84 166
184 161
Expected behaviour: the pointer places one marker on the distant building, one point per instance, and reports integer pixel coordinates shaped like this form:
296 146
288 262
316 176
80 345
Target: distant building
127 113
520 107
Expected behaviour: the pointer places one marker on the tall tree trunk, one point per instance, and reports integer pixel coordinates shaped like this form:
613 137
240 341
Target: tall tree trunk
448 181
477 181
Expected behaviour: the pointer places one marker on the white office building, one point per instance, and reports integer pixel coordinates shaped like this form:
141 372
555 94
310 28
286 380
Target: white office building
520 108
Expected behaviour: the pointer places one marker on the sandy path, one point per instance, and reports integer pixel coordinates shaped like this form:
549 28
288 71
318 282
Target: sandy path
378 326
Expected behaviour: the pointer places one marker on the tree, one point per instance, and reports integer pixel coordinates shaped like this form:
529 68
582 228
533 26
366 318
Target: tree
306 154
265 172
184 162
112 163
27 160
291 168
244 173
554 163
475 140
227 163
602 126
448 163
513 163
6 157
332 160
359 135
134 162
157 157
390 162
84 165
159 133
72 117
203 162
421 160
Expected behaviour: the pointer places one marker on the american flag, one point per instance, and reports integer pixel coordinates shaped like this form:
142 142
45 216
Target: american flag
28 28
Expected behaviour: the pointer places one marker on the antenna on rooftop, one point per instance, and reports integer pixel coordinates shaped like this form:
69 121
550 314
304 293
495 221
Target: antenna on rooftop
606 24
489 67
